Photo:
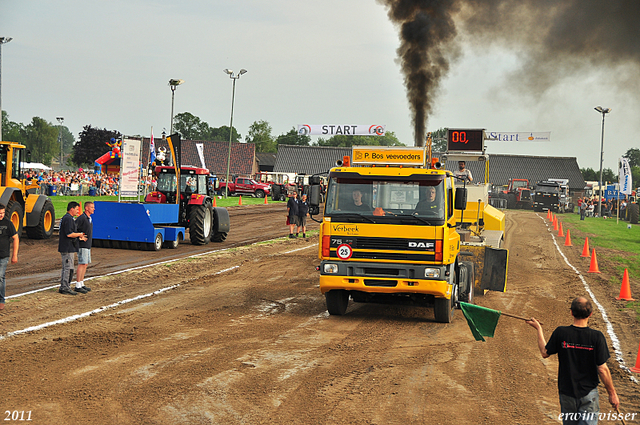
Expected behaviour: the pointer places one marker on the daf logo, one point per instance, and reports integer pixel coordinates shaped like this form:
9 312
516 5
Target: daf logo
420 244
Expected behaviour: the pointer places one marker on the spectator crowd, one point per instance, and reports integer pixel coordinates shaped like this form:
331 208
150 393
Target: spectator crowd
82 183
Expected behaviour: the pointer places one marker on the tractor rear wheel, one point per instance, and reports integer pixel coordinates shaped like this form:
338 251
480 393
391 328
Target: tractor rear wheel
337 301
15 214
511 201
200 224
633 213
44 228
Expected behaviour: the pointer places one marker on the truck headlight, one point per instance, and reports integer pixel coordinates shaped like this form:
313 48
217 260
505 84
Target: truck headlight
433 273
331 268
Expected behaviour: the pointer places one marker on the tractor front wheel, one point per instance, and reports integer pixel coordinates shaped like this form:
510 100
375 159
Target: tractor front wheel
44 228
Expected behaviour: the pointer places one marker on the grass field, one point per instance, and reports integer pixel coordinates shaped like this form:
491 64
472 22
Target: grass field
621 240
60 202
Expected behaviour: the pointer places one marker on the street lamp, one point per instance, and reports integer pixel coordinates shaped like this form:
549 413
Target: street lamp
234 77
3 40
603 111
173 84
60 120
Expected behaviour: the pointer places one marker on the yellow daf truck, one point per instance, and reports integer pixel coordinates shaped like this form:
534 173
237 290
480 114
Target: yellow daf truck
397 228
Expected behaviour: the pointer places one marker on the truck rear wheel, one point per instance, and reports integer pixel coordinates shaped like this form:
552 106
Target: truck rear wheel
337 302
200 224
44 228
15 214
467 276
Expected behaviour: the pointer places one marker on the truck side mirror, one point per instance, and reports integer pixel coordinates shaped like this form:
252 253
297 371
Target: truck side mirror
461 198
314 196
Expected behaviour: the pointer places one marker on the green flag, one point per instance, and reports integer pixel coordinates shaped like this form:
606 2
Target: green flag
482 321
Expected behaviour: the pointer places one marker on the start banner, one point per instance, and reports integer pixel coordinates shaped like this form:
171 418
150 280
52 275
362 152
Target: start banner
536 136
340 129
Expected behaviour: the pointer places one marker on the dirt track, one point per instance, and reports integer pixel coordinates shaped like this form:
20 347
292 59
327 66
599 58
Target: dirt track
245 339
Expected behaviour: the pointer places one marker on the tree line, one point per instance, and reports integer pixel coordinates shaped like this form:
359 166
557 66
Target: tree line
41 138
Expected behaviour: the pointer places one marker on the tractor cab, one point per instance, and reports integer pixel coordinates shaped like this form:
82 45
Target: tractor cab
193 181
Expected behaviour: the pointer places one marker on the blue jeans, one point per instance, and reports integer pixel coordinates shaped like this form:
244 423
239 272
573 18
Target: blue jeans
580 411
3 268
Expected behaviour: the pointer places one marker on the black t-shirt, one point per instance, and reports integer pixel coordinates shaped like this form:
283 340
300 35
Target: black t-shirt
303 208
67 226
6 235
580 352
84 224
293 205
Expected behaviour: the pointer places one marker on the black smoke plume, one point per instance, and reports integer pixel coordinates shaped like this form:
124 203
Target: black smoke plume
555 41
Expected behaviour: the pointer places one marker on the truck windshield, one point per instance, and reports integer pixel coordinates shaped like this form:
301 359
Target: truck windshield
547 189
387 200
520 183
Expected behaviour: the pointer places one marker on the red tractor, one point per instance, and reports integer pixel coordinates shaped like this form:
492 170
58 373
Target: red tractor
518 194
205 222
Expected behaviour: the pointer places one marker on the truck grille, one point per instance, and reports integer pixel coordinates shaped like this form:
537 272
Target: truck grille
385 283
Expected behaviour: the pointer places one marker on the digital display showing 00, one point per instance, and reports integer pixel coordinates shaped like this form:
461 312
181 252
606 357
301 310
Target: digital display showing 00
465 140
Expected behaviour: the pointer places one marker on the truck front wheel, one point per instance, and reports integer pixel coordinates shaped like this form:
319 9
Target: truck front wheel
337 302
259 193
443 308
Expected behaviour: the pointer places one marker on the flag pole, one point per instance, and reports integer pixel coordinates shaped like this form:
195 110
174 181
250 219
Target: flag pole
518 317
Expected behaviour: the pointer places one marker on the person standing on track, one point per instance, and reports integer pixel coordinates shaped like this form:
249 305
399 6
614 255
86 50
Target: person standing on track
582 356
7 234
303 212
85 226
292 210
68 246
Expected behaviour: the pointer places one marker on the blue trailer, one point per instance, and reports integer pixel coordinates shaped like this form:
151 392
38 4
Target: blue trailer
136 225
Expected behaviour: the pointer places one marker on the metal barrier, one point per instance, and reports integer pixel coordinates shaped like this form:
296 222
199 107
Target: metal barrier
499 203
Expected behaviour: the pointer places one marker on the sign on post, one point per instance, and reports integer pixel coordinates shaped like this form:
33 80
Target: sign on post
129 168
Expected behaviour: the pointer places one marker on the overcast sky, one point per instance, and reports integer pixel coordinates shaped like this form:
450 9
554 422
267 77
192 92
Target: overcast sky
107 64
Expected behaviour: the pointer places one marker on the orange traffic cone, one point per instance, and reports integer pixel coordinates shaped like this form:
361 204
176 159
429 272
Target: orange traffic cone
560 234
585 250
265 200
240 200
593 267
636 368
214 201
555 223
567 240
625 290
548 214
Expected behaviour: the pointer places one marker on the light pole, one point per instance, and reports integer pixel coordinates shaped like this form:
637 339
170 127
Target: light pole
173 84
3 40
603 111
234 77
60 120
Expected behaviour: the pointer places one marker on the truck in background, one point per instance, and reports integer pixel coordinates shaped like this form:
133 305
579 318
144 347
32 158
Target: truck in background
546 196
246 186
564 201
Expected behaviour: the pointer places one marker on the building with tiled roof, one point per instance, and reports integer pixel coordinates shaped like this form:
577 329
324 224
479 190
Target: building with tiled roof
266 161
533 168
308 159
319 159
243 156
